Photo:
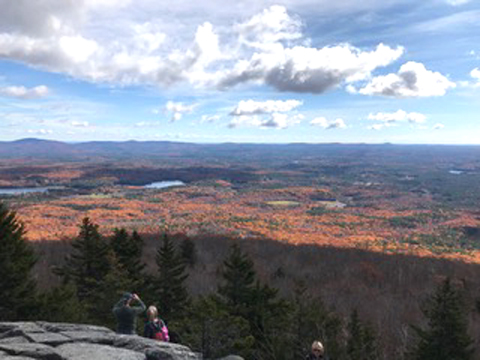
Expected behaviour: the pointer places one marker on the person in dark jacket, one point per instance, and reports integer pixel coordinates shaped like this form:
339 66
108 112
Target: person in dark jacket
126 314
155 328
317 351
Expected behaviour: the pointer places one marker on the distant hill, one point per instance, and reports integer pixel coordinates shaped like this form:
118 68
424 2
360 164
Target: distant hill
110 150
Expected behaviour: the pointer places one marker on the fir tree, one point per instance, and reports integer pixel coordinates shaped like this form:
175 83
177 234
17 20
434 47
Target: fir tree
88 263
311 320
170 288
243 295
128 251
238 281
446 336
361 342
17 258
212 331
115 283
61 304
188 252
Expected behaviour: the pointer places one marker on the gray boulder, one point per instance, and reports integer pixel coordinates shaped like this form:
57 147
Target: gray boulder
57 341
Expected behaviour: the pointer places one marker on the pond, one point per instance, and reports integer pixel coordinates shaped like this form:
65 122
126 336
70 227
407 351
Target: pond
164 184
20 191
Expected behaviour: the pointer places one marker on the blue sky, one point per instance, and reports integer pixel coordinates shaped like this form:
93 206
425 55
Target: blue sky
213 71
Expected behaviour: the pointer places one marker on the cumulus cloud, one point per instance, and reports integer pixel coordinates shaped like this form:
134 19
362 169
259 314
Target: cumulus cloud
177 109
328 124
274 120
309 70
268 48
438 126
398 116
21 92
412 80
252 107
267 114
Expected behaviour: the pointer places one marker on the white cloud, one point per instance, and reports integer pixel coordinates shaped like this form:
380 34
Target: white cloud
267 114
80 124
252 107
328 124
22 92
177 109
274 120
40 131
412 80
398 116
309 70
210 118
475 74
267 48
438 126
457 2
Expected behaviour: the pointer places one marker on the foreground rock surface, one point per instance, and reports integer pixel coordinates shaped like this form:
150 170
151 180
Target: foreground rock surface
57 341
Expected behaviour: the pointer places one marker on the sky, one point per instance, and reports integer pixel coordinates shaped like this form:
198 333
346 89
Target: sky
244 71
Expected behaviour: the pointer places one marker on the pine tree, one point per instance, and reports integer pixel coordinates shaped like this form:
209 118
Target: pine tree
128 251
361 342
88 263
61 304
17 258
311 319
238 281
170 288
188 252
115 283
243 295
446 336
212 331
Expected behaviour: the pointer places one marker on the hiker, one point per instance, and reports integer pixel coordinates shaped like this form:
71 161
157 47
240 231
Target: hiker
316 352
155 328
126 314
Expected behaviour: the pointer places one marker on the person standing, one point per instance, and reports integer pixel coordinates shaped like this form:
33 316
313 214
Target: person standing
155 328
126 314
317 351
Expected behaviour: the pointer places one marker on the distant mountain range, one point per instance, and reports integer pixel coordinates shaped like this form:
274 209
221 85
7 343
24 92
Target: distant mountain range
56 150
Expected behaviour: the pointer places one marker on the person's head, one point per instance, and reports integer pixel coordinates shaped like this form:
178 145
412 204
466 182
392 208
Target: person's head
127 298
317 348
152 313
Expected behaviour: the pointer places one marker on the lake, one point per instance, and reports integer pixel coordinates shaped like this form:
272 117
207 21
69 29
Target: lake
164 184
20 191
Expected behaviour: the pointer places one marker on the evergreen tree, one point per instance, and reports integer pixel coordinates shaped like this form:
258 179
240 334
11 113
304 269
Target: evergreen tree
242 295
446 336
361 342
312 320
61 304
238 281
212 331
170 288
17 258
111 287
88 263
128 251
188 252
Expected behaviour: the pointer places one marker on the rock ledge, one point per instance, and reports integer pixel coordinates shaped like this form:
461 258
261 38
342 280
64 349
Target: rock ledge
60 341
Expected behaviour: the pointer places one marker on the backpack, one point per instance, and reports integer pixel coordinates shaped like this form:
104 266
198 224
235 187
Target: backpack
160 331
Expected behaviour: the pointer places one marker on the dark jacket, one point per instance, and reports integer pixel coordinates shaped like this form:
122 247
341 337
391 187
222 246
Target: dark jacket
313 357
153 327
127 316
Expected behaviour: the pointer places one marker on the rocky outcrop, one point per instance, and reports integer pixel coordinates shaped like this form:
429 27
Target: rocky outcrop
57 341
